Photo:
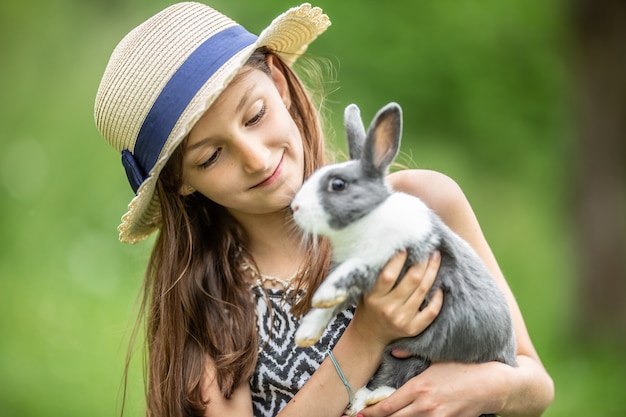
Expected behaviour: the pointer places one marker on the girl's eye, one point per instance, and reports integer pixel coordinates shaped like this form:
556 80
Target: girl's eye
211 159
257 117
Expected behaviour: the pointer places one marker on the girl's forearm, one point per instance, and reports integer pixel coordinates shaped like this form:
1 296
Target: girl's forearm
325 393
531 389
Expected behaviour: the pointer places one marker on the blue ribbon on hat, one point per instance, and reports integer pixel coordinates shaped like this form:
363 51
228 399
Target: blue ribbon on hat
197 69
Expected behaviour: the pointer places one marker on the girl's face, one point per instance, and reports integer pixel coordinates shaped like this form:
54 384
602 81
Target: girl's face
246 152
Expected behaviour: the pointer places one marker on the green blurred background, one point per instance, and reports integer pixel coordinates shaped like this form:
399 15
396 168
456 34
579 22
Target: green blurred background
485 86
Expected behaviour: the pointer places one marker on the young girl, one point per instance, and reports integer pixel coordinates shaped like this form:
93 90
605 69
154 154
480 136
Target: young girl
216 134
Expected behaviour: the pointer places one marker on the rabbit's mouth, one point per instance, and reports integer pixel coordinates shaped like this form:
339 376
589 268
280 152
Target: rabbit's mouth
309 215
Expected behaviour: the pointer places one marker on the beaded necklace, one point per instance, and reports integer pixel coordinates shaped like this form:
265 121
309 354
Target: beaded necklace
261 280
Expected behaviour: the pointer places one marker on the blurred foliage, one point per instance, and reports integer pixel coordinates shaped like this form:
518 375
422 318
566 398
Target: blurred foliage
485 92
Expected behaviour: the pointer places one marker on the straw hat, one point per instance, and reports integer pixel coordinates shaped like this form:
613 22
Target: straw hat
165 74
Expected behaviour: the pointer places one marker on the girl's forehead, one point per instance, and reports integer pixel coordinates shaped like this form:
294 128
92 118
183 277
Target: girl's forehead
234 99
242 84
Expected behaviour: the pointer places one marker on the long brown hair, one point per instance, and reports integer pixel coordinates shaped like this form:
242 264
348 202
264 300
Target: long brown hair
197 305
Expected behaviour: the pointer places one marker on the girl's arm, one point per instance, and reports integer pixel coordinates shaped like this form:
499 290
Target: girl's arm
385 314
469 389
239 403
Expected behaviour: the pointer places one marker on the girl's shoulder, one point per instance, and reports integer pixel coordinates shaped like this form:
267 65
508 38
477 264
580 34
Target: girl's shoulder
434 187
440 192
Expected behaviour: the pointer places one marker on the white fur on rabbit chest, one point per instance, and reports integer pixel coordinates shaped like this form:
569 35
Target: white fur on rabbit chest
375 238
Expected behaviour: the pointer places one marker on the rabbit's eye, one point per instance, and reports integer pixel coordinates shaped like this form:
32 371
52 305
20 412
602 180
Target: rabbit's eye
337 184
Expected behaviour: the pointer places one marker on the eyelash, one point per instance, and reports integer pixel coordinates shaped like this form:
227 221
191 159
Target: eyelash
211 159
257 118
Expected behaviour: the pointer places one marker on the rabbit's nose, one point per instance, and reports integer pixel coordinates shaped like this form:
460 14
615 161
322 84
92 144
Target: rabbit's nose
295 207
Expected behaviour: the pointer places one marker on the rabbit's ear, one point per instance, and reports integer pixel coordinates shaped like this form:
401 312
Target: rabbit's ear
383 140
355 131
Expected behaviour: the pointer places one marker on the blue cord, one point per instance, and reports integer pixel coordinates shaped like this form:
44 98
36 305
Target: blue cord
343 378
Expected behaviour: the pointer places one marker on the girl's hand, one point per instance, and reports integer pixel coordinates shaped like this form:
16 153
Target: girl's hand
445 390
388 313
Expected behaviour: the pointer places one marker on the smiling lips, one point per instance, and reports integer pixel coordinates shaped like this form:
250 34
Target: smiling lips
272 178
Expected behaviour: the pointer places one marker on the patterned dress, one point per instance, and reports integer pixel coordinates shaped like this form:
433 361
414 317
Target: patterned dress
282 367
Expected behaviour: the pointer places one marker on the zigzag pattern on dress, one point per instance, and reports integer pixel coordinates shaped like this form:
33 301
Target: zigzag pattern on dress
282 367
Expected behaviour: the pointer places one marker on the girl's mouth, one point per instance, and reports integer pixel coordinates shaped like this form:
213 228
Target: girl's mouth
273 177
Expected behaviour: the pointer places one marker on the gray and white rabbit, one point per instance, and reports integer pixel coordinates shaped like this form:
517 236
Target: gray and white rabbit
367 223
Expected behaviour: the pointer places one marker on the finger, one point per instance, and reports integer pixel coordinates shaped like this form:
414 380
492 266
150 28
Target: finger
419 278
389 274
420 321
387 407
412 278
431 311
400 353
427 277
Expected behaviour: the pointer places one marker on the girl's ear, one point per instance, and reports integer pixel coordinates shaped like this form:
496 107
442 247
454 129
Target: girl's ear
186 190
277 73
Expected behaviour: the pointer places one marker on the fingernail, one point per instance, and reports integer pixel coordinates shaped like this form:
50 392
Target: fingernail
435 255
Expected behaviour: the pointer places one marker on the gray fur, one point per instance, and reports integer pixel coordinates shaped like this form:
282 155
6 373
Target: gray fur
355 131
367 224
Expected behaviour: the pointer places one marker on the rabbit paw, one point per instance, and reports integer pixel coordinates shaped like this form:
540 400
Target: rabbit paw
312 327
328 296
366 397
307 335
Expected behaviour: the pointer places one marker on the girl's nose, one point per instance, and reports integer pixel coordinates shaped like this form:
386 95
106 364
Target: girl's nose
255 156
